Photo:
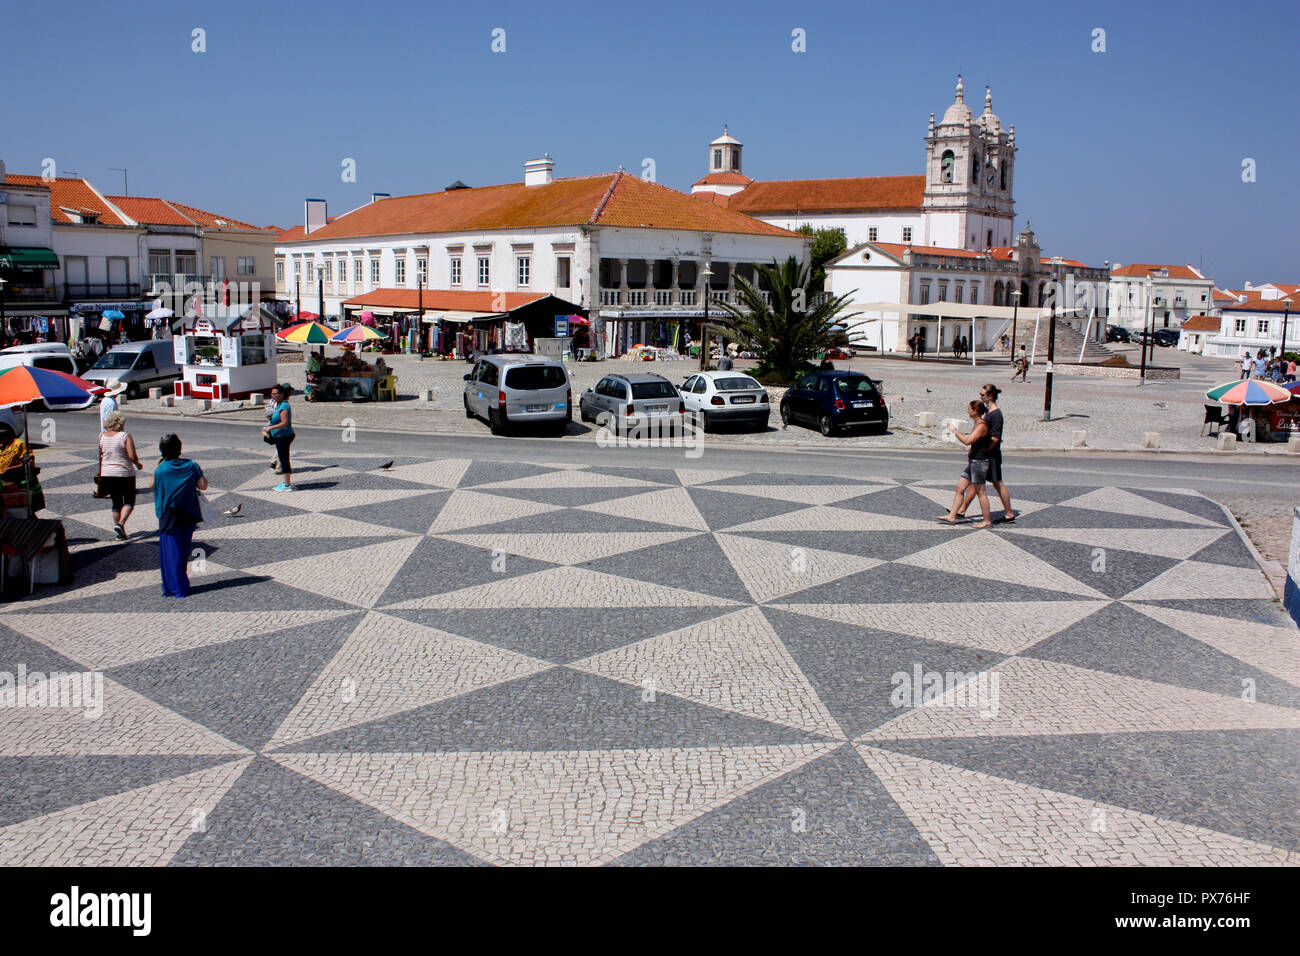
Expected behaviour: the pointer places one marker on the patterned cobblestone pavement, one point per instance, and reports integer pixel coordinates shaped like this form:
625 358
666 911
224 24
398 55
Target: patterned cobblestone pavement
467 662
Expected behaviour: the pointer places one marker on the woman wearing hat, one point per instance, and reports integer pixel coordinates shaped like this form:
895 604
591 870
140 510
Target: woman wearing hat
108 404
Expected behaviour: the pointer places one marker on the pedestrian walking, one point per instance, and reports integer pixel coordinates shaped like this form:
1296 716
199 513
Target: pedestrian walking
118 463
278 431
993 419
108 403
1246 365
1260 364
1022 367
977 465
177 482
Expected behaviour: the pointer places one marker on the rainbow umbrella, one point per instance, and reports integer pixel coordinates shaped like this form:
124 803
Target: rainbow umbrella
312 333
356 333
22 385
1251 391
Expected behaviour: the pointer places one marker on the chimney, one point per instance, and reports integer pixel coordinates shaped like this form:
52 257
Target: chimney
1248 287
2 171
375 197
539 172
314 216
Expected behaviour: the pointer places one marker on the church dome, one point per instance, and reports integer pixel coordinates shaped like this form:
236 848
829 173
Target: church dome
726 139
959 113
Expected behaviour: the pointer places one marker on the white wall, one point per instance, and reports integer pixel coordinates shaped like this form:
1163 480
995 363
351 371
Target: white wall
856 225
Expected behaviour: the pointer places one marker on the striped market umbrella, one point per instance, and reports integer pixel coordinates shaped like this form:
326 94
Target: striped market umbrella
356 333
22 385
311 333
1251 391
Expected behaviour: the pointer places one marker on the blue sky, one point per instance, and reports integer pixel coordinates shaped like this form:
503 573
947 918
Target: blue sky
1132 155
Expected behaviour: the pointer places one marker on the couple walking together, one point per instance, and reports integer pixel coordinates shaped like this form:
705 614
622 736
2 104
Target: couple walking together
983 461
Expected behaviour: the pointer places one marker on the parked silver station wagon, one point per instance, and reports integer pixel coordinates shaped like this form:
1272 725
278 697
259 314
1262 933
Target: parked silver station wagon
627 402
519 388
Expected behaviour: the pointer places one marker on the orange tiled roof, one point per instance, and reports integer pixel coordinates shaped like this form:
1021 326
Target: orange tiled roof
74 194
609 199
168 212
1144 270
1202 323
1286 288
897 249
450 300
724 179
1261 305
825 195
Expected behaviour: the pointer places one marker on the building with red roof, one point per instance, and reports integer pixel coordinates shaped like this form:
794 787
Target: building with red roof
1163 296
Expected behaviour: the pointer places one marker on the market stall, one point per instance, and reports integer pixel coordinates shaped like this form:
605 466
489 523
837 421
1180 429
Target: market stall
226 353
346 378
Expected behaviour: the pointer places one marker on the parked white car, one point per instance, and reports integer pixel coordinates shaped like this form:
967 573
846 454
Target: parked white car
715 398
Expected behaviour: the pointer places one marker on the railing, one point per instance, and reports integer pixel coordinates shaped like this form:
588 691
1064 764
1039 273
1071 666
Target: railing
11 294
720 295
636 297
663 297
609 297
179 280
92 290
687 297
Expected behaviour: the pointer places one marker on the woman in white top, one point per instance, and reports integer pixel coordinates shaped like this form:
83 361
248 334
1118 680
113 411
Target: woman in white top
118 463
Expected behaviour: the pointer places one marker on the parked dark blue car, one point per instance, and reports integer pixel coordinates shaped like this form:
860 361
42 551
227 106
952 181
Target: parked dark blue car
831 401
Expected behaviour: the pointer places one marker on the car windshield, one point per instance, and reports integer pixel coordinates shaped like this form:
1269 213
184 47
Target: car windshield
855 386
117 360
528 377
653 390
735 384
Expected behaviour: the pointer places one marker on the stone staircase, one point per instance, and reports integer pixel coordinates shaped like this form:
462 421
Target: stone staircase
1068 342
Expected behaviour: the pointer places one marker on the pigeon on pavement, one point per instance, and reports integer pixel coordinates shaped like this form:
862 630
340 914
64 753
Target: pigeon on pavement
232 512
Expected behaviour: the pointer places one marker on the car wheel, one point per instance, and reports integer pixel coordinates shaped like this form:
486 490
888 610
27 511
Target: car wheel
703 422
881 429
469 412
582 413
785 414
826 426
495 422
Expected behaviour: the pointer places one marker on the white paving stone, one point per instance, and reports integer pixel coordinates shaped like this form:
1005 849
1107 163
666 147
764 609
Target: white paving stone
985 554
1270 648
1198 579
672 506
469 509
559 548
773 569
358 575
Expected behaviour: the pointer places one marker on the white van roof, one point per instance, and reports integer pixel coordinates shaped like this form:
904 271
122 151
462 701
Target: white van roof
37 347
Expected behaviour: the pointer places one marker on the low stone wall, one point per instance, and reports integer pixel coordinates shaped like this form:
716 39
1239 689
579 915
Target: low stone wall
1115 371
1291 592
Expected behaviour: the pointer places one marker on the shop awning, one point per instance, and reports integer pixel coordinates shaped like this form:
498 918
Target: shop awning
27 257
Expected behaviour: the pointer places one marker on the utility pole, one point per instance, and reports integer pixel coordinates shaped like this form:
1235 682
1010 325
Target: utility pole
1146 337
1051 357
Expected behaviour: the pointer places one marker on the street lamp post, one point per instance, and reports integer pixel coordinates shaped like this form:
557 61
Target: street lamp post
704 326
4 320
1286 314
1146 339
297 298
320 291
1015 313
419 316
1051 352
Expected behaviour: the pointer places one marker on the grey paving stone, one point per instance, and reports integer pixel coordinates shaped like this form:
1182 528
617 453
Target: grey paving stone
772 478
567 497
437 566
723 509
485 472
241 689
696 563
890 583
1245 609
1063 516
851 667
214 591
558 709
1192 504
847 818
568 521
413 514
1227 550
250 552
16 649
882 545
275 817
33 786
900 502
1119 640
1125 570
560 634
663 476
1240 782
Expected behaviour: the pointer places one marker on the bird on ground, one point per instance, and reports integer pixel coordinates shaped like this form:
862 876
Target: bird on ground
927 391
386 465
232 512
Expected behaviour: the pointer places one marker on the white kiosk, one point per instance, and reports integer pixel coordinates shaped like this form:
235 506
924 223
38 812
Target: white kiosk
227 353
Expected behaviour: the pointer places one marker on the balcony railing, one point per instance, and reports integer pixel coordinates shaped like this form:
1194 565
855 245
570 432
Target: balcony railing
95 290
178 281
663 297
12 294
687 297
609 297
636 297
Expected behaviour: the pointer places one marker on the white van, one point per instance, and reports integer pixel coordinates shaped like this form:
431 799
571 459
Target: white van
51 355
141 365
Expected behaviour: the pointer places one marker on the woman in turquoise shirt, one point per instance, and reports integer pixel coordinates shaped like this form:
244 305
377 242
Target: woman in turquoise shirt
176 485
279 432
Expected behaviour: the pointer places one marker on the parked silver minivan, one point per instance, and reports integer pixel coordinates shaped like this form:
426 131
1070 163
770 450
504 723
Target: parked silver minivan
141 365
519 388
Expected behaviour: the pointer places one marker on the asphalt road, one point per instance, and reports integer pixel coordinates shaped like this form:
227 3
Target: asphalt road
1272 478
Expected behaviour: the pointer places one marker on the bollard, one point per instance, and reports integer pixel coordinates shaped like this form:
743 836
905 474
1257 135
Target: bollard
426 394
1293 446
167 401
257 398
1078 438
927 419
155 393
204 404
1227 441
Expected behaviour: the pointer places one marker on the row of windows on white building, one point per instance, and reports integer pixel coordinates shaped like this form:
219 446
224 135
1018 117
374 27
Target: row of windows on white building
338 266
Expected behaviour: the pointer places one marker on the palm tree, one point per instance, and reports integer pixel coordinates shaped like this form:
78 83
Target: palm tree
783 330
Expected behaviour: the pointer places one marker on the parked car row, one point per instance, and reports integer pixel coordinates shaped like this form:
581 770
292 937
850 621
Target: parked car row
1166 337
524 389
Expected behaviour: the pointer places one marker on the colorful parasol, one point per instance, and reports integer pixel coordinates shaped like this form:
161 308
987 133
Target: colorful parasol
311 333
58 390
307 316
1250 391
356 333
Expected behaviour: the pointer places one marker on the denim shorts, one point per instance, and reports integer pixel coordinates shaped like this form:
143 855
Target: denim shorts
977 471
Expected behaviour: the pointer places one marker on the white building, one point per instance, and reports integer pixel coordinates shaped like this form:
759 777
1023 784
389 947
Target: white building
1166 295
631 252
27 260
1257 320
964 200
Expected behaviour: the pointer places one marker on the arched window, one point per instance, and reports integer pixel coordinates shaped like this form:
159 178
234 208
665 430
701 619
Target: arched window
947 164
997 293
1004 174
975 168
